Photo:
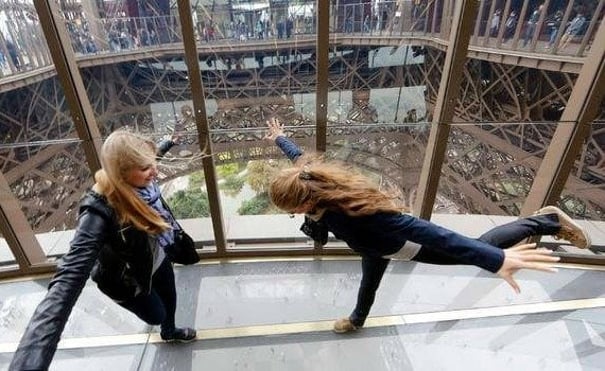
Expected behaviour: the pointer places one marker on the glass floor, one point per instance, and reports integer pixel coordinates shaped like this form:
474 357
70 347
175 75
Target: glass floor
278 314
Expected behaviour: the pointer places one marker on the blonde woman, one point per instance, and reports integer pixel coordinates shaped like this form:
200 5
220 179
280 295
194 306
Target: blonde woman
372 225
123 234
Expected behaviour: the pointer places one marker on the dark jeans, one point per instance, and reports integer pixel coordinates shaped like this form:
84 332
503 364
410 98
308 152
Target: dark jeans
529 33
159 306
503 236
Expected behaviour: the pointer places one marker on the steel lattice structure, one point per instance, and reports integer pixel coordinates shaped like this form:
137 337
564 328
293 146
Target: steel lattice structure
485 162
490 166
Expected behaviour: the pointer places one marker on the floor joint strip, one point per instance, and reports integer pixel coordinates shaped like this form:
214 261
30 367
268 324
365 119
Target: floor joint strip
319 326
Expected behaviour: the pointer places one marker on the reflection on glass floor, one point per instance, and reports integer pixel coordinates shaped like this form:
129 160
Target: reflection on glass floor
277 315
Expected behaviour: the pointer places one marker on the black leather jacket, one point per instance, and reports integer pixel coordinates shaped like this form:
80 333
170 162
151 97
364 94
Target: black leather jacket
119 260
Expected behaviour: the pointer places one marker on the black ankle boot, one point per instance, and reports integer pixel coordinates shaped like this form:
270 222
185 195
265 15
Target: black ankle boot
179 335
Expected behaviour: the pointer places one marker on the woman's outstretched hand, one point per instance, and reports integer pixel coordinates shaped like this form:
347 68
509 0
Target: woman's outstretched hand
525 256
275 129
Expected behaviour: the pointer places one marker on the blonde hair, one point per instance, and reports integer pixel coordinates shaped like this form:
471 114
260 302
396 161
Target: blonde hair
329 185
123 151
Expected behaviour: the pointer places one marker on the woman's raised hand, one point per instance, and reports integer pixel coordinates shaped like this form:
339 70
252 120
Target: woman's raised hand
275 129
525 256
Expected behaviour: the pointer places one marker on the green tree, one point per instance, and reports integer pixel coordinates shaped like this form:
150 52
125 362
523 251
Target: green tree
257 205
260 173
228 170
191 203
232 185
196 180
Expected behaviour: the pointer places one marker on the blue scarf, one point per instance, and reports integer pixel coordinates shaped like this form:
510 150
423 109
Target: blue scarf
151 195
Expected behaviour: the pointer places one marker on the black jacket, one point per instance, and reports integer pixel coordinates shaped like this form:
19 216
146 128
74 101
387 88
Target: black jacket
120 260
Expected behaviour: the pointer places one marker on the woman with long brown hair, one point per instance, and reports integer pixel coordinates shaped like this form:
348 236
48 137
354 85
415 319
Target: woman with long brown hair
374 226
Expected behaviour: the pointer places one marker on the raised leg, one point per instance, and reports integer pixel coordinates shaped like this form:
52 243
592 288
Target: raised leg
510 234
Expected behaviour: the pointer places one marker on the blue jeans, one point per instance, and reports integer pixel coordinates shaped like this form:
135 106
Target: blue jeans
529 33
503 236
553 36
159 306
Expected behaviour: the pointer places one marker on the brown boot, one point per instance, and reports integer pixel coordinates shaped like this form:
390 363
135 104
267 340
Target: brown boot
570 230
344 325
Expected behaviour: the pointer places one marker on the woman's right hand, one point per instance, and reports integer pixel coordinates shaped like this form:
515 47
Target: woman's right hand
275 129
525 256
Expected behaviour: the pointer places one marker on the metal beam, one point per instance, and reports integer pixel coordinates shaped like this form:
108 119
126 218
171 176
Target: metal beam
449 89
538 26
520 22
487 31
64 59
201 121
582 108
33 162
478 24
323 45
433 5
502 25
16 230
322 74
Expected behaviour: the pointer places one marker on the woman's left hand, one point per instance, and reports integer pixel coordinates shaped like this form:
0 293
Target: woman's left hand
276 129
525 256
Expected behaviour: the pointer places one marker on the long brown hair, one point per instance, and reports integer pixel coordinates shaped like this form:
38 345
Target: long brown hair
321 184
123 151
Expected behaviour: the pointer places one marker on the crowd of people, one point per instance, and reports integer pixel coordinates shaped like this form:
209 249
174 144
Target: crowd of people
129 33
556 28
532 28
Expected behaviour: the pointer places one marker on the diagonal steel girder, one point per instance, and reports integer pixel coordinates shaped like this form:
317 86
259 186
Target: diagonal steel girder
203 129
583 107
462 27
17 231
64 59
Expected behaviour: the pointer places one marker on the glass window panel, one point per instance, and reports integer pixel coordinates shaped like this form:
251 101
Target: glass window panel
584 190
42 159
490 168
391 155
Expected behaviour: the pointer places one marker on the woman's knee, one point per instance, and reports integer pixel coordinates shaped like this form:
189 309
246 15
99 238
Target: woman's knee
151 316
155 317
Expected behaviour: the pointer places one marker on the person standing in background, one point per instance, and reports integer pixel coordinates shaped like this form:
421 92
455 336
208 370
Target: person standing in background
575 28
495 23
531 24
553 28
510 26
